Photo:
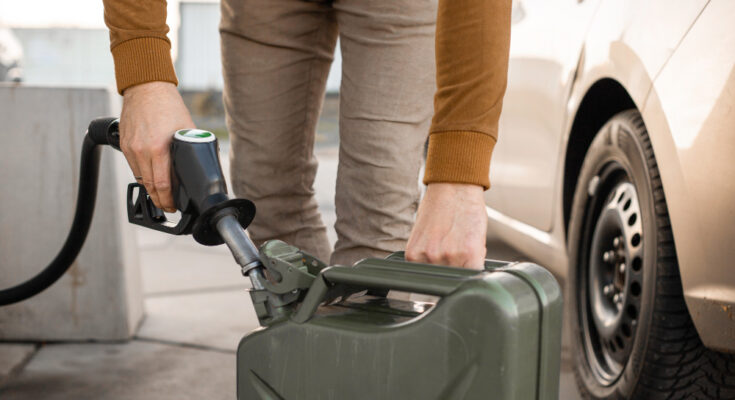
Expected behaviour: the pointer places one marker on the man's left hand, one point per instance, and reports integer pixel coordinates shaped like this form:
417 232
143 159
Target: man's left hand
451 227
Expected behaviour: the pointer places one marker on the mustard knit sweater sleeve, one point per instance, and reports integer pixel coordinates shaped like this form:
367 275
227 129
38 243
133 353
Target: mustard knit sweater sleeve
472 43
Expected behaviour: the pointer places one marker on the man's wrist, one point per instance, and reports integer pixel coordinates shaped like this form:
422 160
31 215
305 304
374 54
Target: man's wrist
454 187
147 88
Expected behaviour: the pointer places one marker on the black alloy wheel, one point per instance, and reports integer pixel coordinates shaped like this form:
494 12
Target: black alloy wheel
632 337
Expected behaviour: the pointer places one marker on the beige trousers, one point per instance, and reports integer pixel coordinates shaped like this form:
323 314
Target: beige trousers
276 56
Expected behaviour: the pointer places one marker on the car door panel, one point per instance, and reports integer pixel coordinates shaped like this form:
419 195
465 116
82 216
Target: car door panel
546 41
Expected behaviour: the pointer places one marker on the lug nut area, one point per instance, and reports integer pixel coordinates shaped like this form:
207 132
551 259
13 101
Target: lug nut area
615 257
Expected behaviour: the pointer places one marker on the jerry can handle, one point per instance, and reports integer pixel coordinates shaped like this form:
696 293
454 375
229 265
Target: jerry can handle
392 273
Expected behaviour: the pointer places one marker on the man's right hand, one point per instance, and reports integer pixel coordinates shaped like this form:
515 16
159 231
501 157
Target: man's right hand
151 113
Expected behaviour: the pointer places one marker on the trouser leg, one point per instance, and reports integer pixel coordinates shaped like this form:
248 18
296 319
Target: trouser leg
385 109
276 56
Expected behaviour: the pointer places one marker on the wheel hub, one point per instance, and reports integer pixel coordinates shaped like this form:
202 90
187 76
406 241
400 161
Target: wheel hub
614 280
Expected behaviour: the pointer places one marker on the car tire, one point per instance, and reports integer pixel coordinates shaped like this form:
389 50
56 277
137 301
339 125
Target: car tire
631 334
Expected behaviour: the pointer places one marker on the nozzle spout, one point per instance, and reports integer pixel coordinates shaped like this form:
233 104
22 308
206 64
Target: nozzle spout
242 248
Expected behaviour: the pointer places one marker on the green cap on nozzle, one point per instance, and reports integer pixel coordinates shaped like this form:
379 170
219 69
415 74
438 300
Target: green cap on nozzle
194 136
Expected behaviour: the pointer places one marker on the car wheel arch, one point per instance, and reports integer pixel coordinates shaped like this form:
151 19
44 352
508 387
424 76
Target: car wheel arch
602 100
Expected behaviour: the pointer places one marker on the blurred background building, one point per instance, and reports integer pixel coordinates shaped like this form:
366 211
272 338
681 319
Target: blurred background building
67 43
198 63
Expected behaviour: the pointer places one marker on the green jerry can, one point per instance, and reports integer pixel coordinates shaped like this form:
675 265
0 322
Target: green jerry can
492 334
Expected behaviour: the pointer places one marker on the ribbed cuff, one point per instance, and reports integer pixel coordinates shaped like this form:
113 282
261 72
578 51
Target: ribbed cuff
459 157
141 60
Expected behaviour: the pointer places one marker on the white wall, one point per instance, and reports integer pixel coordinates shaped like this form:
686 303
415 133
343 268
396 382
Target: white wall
66 56
198 65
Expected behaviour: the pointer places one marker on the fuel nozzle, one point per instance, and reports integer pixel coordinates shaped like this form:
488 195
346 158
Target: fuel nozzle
199 192
199 186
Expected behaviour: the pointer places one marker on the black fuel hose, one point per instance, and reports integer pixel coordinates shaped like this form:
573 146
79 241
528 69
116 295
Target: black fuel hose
102 131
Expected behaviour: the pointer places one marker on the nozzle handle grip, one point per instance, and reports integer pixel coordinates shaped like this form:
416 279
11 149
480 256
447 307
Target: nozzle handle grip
141 210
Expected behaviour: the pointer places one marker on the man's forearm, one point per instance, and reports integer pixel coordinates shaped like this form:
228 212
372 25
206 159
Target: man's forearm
472 46
140 48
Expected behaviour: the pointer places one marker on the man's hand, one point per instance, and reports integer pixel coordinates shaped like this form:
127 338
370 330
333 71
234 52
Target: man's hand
451 227
151 113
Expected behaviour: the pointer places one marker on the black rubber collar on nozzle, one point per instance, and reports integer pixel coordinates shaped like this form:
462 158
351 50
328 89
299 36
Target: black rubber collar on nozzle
205 229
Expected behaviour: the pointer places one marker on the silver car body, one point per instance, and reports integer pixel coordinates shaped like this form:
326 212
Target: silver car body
675 61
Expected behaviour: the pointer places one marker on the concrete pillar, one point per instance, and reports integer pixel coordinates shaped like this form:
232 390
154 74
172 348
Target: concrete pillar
100 297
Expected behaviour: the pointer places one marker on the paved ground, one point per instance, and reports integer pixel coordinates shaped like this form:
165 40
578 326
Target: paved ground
196 312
